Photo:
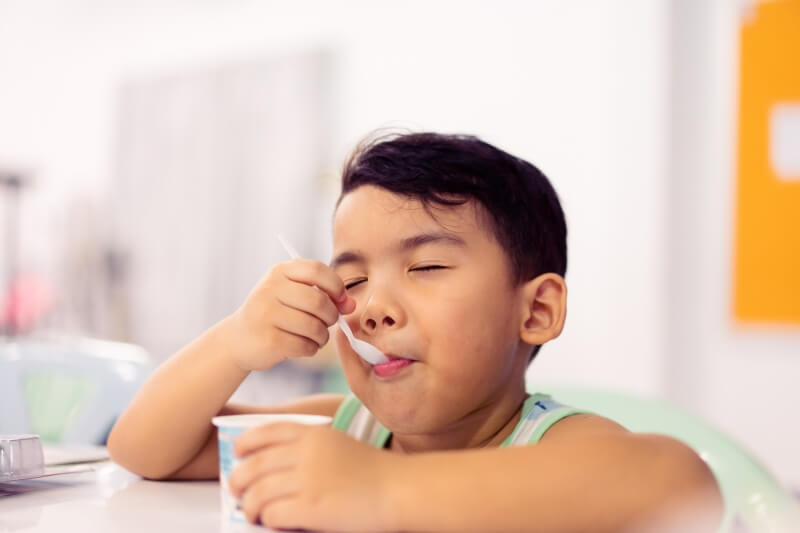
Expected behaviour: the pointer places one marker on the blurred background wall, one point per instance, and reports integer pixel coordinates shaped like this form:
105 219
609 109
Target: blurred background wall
166 142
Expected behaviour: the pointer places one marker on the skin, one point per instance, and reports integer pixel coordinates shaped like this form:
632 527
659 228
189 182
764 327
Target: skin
437 291
434 286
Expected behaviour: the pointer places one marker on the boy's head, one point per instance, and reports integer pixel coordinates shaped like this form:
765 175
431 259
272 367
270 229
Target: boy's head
518 204
448 244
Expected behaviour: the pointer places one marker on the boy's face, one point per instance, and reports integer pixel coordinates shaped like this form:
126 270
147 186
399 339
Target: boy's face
436 291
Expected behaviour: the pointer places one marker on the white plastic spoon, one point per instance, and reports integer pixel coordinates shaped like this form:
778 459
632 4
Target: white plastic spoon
368 352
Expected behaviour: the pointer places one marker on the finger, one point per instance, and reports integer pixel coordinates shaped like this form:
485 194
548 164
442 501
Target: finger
285 513
302 324
267 435
309 300
267 490
347 306
263 462
295 345
316 273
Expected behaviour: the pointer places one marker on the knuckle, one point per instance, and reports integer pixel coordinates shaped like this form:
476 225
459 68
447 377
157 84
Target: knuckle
311 325
311 347
267 517
320 300
317 268
249 505
255 462
306 347
253 498
320 331
304 323
329 320
325 336
277 271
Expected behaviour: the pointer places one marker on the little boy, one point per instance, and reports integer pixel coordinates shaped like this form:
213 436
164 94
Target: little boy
449 256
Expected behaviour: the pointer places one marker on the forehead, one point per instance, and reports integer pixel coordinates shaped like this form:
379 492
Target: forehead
375 214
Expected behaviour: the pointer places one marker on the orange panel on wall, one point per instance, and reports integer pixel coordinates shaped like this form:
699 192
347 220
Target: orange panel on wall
767 246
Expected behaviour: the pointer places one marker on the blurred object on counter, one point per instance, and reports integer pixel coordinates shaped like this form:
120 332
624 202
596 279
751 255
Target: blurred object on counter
68 390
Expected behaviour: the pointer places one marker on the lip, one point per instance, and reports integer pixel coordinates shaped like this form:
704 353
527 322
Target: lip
394 366
393 357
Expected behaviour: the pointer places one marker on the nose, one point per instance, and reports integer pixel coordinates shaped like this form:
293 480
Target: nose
381 312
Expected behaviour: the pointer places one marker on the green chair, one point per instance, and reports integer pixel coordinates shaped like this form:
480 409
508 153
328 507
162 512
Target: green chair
68 391
753 497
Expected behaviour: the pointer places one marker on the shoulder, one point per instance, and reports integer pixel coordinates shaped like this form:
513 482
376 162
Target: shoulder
587 427
584 427
317 404
581 425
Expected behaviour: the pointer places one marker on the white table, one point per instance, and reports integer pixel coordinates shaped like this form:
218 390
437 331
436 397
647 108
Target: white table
111 499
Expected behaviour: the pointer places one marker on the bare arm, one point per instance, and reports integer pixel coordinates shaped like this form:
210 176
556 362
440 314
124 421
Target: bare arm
168 422
166 431
591 478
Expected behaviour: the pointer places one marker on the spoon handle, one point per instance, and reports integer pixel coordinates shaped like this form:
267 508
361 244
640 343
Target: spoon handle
294 254
345 327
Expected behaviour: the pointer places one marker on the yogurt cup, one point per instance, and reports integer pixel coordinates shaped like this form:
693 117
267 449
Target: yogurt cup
228 429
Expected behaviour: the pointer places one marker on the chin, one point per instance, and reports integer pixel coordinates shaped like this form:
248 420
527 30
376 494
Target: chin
403 414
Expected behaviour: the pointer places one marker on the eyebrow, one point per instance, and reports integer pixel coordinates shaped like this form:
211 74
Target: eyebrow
406 244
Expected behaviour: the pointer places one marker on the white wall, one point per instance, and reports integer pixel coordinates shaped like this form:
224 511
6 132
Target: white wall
584 89
578 88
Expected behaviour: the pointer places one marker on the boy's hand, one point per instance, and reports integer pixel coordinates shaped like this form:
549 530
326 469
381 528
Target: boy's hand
287 314
312 477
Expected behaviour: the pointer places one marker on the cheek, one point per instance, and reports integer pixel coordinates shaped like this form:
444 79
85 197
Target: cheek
353 368
474 336
477 314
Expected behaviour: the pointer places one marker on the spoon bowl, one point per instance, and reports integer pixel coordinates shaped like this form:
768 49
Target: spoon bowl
365 350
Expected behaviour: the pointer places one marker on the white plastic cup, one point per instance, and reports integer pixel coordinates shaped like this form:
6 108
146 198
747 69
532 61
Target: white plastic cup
228 429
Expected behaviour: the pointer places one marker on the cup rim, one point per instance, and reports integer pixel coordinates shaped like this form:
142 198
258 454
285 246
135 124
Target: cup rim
256 419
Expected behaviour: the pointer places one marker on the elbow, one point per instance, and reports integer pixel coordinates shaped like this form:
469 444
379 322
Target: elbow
704 490
115 446
127 453
697 480
691 499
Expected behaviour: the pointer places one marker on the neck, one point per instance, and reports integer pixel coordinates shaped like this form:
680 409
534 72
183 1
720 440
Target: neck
487 426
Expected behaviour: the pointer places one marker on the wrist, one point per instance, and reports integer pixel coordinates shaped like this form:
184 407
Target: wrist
239 346
230 344
400 495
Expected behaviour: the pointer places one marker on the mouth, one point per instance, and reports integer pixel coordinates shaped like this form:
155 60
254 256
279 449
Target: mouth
392 367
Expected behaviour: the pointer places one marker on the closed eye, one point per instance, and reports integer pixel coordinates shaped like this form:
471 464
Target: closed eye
427 268
353 283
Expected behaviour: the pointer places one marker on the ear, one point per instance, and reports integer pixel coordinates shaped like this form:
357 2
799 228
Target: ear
544 308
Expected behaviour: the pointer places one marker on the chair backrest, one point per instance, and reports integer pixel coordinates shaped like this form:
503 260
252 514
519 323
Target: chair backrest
753 496
69 391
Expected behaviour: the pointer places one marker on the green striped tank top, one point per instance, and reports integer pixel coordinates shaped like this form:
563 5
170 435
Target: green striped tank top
539 413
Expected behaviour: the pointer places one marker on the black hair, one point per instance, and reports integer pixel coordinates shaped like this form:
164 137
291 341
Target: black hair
523 209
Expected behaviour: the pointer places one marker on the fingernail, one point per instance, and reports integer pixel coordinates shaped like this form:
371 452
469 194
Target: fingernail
343 298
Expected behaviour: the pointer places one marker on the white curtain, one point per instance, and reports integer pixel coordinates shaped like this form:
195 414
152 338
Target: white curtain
209 166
